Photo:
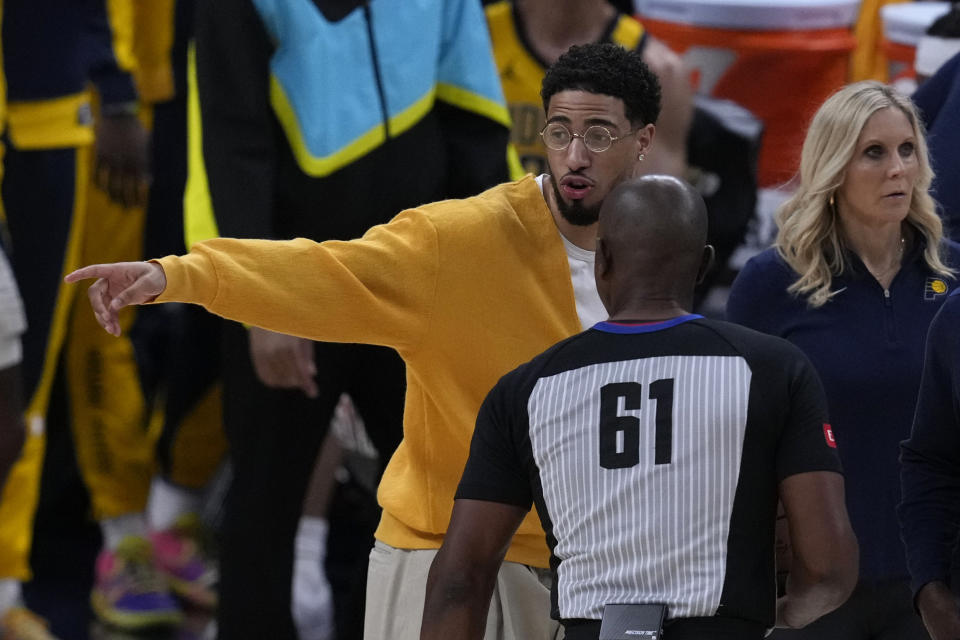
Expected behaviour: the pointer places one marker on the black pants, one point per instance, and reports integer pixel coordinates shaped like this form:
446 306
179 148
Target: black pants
682 629
39 197
877 610
274 436
182 346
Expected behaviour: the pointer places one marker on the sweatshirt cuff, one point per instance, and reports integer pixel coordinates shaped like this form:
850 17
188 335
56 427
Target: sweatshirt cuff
191 278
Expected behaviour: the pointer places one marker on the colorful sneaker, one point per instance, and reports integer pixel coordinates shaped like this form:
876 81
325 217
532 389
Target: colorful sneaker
129 592
178 553
19 623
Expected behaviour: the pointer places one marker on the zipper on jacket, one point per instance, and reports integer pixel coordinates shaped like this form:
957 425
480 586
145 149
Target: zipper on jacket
385 114
889 319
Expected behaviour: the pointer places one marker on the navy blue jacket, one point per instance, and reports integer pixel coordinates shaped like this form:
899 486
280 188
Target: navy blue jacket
52 48
930 459
939 102
867 345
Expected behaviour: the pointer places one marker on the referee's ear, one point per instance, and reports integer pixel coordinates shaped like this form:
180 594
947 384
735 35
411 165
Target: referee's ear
603 261
706 262
602 266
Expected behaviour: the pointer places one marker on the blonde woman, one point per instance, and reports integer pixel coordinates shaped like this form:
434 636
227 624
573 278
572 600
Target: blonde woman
858 270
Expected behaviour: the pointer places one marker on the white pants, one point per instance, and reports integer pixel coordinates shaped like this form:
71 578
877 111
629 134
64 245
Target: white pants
397 585
12 321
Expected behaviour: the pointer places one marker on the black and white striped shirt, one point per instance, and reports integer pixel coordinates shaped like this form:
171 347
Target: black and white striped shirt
653 453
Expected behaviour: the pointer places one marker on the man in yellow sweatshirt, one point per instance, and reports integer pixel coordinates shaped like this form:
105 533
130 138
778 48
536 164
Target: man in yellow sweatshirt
464 290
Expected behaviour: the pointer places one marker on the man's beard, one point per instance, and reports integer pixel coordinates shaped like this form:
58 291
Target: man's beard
576 213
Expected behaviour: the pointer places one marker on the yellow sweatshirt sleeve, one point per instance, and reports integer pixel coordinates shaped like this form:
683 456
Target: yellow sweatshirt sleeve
379 289
153 33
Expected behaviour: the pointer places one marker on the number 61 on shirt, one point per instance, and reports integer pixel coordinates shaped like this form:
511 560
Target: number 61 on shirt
620 434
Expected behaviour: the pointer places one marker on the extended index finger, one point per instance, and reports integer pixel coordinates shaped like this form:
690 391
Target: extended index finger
92 271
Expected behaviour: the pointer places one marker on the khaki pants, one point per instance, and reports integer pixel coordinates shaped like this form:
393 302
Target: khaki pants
397 583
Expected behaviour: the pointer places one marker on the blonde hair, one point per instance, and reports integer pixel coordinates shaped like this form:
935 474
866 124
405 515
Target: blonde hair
808 236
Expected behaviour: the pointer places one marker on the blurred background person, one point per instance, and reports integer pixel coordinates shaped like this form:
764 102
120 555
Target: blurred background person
12 325
929 458
303 109
48 169
103 461
938 100
102 391
858 270
930 510
178 347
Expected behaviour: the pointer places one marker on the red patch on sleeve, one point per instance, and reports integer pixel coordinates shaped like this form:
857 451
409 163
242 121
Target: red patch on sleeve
828 435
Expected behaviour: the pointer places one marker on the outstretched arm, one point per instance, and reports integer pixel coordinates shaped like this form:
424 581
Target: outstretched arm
463 575
825 559
379 289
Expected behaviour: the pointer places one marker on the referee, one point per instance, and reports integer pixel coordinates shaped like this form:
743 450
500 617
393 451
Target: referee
655 447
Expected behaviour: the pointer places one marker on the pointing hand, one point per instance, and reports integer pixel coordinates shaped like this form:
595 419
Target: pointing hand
119 285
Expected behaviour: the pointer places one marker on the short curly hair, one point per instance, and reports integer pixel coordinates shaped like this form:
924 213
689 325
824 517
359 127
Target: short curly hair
610 70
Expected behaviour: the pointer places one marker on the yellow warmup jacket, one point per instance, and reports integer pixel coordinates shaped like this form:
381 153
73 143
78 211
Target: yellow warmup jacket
464 290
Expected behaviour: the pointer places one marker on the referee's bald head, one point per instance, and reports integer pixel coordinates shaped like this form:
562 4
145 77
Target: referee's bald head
651 241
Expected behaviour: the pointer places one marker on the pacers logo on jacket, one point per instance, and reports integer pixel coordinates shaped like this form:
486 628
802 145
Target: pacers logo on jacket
933 288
